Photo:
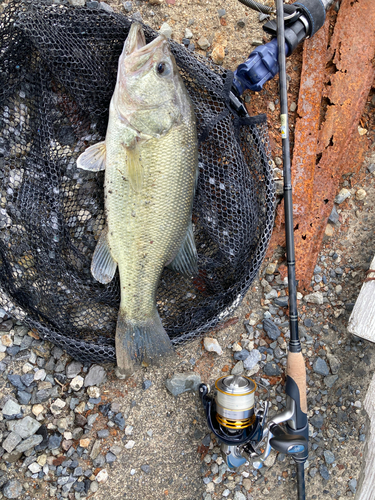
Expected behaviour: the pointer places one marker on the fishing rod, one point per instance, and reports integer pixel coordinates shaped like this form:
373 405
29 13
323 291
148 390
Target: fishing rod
236 417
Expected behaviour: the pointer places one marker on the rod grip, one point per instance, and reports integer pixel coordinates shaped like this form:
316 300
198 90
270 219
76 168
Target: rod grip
296 370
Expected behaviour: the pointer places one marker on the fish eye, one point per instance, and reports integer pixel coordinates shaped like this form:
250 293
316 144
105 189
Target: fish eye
163 68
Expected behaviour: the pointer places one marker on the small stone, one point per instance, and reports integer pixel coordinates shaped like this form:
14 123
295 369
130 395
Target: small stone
330 380
7 340
54 441
371 168
221 12
137 16
29 443
26 427
334 217
84 443
271 268
238 368
93 392
362 131
212 345
293 107
360 194
182 382
77 383
23 397
102 476
203 43
252 360
329 457
12 489
12 440
166 30
57 406
239 496
317 421
95 376
128 6
271 106
188 34
146 468
103 433
324 472
271 329
241 23
241 355
218 54
37 409
352 485
314 298
95 449
73 369
342 196
334 363
129 445
11 409
282 301
272 370
321 367
155 2
35 467
146 385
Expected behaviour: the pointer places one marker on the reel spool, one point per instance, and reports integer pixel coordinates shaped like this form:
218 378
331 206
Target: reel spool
235 401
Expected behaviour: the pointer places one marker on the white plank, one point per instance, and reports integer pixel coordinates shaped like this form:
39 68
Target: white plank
366 483
362 319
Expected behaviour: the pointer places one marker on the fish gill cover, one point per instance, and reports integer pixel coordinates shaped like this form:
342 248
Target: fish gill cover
58 69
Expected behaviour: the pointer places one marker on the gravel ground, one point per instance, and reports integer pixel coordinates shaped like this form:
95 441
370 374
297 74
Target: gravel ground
75 431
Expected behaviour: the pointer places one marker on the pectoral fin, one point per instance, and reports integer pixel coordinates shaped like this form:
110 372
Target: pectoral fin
185 261
103 266
93 158
135 171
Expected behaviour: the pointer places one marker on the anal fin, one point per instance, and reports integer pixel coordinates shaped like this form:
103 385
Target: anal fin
93 158
185 261
103 266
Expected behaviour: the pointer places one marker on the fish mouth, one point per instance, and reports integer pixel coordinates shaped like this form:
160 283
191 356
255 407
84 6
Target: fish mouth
136 46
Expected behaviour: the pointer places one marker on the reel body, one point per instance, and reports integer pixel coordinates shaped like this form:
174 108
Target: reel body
239 422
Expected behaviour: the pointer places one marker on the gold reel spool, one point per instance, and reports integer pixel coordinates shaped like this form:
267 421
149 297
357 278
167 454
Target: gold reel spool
235 424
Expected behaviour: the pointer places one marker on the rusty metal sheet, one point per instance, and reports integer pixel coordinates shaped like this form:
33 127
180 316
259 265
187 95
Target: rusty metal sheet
336 79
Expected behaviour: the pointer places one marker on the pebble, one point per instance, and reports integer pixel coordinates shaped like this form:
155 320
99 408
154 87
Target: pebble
212 345
342 196
221 12
293 107
252 360
146 468
271 329
73 369
320 367
317 421
95 376
241 355
314 298
129 445
360 194
272 369
329 457
334 217
182 382
128 6
77 383
188 34
371 168
218 54
352 485
102 476
146 385
238 368
12 489
334 363
203 43
324 472
166 30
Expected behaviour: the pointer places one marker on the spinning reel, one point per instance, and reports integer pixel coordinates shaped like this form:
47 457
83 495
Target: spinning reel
242 426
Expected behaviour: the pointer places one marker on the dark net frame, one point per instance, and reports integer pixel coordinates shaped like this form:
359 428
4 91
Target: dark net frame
58 68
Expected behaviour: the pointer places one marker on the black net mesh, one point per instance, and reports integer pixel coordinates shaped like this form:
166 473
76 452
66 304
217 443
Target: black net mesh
58 69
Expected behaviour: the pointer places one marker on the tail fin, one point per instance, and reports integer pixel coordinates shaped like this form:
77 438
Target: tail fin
140 341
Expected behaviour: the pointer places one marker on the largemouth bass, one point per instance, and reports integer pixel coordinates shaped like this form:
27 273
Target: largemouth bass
151 166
